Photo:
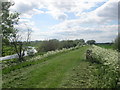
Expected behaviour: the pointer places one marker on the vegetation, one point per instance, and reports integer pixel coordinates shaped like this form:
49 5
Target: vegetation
54 44
107 46
8 50
49 45
109 64
49 72
63 69
19 46
90 42
117 43
10 65
11 35
8 21
58 64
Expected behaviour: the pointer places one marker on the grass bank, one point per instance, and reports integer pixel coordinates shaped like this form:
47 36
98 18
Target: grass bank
46 74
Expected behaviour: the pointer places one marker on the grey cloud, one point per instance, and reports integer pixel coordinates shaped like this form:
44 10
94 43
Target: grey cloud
62 17
64 5
110 11
23 7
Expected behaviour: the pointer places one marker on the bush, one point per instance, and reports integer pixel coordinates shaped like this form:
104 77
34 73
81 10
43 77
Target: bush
50 45
109 61
90 42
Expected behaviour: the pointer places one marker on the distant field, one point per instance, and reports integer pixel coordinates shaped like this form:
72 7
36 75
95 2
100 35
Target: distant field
106 46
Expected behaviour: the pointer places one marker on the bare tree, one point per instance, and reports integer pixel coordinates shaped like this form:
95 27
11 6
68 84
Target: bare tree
20 41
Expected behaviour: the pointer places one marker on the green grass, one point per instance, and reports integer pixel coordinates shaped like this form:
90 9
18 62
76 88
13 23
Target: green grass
89 75
46 74
12 65
106 46
62 70
81 76
8 50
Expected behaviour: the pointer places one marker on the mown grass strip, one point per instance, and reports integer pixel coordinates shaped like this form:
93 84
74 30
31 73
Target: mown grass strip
28 63
48 74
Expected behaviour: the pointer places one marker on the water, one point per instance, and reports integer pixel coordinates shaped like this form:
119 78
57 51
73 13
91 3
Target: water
11 56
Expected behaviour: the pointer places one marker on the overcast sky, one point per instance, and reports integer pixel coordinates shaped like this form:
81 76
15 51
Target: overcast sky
69 19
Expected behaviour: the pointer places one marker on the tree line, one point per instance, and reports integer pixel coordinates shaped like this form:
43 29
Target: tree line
53 44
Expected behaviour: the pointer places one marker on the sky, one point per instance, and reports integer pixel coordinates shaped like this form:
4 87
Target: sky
69 19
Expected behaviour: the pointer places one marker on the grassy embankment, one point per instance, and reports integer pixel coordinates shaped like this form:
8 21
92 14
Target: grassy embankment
48 73
62 70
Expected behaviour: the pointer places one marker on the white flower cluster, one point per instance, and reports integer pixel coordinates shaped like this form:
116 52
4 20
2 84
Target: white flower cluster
106 56
53 52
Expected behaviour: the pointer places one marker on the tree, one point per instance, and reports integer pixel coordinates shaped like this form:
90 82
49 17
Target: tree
7 22
90 42
81 42
67 44
18 40
49 45
20 46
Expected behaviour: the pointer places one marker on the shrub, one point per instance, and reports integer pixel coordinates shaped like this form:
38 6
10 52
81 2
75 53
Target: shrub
109 65
90 42
49 45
